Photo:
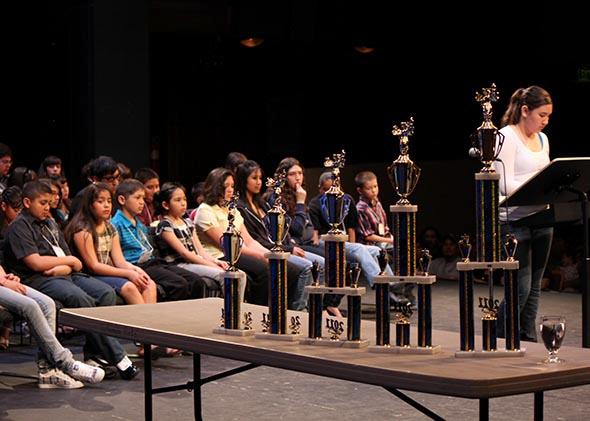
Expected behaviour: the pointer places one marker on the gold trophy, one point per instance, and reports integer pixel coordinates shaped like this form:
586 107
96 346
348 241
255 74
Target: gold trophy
231 243
277 227
403 172
404 175
487 143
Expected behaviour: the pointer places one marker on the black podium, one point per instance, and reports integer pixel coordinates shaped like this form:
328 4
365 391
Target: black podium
564 185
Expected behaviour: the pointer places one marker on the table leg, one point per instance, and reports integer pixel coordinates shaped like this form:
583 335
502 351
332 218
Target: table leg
197 382
147 381
484 409
539 406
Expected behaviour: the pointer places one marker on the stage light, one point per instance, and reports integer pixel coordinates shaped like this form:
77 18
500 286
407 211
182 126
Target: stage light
251 42
363 49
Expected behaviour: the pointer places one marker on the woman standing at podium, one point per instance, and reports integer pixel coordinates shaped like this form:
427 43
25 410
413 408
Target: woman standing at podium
524 153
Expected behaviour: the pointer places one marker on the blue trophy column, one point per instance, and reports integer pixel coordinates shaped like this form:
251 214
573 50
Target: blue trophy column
277 292
487 223
404 231
466 318
512 310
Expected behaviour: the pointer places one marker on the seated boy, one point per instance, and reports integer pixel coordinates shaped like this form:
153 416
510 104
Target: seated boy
37 252
372 225
177 283
372 228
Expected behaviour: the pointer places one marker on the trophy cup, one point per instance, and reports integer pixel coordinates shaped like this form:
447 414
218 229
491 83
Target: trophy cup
487 143
334 205
404 175
276 224
231 243
403 312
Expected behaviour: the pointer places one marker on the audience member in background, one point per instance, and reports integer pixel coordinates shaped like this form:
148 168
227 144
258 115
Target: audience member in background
96 241
20 176
56 365
176 283
233 159
445 267
372 228
56 212
254 209
211 221
103 169
36 251
11 203
364 255
151 182
51 167
177 240
429 239
301 229
198 195
5 164
65 203
125 171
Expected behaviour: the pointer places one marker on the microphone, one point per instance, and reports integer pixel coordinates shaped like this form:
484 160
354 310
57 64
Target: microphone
474 153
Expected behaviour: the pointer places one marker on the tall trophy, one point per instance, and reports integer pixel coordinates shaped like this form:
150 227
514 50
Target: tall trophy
404 175
334 205
276 222
487 144
231 243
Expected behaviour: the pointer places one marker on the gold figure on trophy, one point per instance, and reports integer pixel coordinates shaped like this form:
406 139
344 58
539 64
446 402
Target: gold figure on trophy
487 141
402 172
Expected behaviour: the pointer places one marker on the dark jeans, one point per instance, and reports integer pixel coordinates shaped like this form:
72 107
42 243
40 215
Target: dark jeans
80 290
532 253
175 282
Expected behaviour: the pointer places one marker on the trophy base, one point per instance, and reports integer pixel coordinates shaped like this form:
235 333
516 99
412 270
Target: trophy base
487 175
335 290
285 337
233 332
338 238
416 350
322 342
362 343
504 264
277 255
499 353
396 279
409 208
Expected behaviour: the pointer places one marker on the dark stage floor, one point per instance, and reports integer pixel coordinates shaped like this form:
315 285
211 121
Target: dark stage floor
267 393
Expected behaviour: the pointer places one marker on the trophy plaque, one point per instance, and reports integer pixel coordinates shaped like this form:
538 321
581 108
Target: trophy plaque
404 175
277 227
231 243
487 143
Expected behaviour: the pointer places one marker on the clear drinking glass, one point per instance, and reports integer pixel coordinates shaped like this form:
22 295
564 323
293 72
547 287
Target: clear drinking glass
552 330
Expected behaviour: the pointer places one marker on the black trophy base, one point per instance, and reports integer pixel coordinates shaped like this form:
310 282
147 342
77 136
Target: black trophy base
285 337
412 349
233 332
498 353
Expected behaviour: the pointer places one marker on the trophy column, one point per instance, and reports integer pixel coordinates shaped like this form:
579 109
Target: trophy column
487 145
231 244
404 175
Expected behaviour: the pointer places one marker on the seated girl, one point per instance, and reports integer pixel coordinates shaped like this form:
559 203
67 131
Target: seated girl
177 240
